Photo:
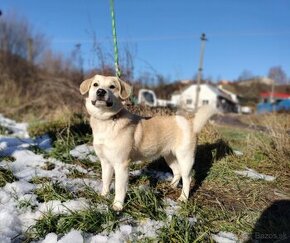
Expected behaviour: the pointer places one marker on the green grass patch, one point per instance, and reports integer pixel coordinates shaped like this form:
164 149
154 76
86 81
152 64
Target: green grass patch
236 137
144 203
94 197
64 144
90 220
26 203
182 230
53 191
66 133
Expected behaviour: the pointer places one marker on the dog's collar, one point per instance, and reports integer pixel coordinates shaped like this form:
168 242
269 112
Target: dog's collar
117 115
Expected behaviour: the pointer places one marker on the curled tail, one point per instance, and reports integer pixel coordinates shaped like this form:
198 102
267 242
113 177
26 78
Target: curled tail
202 116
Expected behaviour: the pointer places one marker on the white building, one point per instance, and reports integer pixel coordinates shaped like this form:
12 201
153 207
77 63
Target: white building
208 94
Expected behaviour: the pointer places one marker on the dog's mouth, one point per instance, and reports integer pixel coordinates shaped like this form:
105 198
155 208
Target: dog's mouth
102 102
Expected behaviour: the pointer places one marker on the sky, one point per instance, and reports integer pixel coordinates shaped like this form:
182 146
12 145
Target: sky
164 35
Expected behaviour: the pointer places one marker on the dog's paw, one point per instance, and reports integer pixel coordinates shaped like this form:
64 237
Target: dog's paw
174 183
104 193
182 198
117 206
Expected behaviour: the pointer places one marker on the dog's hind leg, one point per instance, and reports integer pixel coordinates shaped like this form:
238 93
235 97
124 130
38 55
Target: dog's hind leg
185 161
174 166
107 174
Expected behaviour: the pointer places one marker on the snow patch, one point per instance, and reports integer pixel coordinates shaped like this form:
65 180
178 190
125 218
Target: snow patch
225 237
84 151
238 153
17 129
50 238
58 207
149 227
10 225
19 187
74 236
254 175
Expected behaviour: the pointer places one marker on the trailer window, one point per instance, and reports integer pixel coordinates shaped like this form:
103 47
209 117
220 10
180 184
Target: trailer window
148 97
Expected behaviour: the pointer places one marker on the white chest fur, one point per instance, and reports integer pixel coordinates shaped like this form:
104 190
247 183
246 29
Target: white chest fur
104 134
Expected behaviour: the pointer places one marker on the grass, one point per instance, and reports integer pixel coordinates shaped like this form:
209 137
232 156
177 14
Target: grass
276 144
220 199
144 203
181 230
53 191
6 176
66 133
4 130
90 220
39 180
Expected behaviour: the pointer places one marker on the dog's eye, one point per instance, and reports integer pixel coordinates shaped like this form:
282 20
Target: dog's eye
96 84
112 87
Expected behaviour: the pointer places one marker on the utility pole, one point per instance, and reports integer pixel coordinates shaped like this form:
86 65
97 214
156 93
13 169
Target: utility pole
272 97
199 74
30 50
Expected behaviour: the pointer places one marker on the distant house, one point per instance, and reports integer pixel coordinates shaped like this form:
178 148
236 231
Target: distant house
276 96
274 102
234 96
208 95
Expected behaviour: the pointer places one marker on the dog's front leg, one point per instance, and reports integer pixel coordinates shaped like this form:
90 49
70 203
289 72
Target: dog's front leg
121 182
107 174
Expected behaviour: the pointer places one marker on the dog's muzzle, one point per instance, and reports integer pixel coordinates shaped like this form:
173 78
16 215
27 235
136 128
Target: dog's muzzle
102 96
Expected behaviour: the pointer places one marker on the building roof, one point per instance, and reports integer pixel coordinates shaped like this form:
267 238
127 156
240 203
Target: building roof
275 95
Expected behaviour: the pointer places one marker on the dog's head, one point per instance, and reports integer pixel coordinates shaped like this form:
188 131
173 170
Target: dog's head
105 95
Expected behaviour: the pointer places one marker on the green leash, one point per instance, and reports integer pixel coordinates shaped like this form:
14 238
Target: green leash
116 52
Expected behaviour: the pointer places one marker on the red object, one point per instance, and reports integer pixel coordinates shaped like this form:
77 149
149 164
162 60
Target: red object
275 95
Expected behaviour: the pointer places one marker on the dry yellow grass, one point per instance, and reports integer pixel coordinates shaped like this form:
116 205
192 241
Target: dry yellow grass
274 143
49 98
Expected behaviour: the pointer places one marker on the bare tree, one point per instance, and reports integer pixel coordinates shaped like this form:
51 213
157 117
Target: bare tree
278 75
127 62
55 63
18 38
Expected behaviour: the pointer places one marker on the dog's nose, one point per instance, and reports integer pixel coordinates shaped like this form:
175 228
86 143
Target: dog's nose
101 92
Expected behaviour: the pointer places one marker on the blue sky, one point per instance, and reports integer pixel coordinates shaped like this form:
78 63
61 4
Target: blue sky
163 35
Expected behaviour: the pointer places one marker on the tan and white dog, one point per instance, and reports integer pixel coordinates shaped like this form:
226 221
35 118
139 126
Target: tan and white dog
121 137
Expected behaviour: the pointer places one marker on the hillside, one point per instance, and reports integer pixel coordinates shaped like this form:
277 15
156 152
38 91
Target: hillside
249 90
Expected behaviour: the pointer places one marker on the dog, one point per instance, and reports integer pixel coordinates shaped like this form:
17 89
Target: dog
120 137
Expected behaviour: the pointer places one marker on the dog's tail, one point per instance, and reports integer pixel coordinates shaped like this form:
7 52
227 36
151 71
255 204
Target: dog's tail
202 115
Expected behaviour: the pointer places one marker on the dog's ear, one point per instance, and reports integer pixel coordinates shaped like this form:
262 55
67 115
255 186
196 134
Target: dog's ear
124 89
85 85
